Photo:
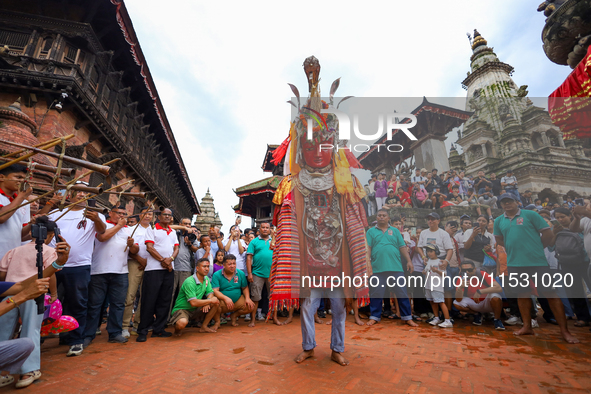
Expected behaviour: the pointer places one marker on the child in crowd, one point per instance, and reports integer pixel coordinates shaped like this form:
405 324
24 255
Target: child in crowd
434 287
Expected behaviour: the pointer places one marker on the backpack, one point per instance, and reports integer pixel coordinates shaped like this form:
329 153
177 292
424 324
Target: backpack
569 248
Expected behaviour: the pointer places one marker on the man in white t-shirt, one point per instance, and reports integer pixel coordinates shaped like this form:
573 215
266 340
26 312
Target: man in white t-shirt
135 265
237 247
14 224
163 247
79 228
108 276
436 236
465 225
418 179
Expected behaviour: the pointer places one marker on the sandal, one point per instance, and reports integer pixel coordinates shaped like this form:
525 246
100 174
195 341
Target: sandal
29 378
416 318
394 316
5 380
581 323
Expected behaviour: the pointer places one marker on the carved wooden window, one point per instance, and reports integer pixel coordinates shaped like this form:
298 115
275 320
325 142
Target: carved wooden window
105 100
45 47
124 126
70 54
94 77
117 113
15 41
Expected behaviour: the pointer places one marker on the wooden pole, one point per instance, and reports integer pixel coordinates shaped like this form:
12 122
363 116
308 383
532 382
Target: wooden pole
25 157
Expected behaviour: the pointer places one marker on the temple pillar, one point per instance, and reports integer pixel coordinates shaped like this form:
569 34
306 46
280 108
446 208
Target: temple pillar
431 153
484 153
560 140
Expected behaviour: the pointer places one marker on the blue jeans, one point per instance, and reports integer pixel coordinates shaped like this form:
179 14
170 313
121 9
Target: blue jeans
308 309
31 329
515 194
115 287
376 294
74 282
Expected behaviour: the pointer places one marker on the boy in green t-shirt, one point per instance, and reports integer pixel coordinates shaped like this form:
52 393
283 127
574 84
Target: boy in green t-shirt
190 301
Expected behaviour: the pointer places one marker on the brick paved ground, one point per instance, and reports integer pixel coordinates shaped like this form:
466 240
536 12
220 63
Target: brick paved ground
384 358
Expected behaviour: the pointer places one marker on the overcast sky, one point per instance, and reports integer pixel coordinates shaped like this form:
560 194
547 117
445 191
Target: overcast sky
221 68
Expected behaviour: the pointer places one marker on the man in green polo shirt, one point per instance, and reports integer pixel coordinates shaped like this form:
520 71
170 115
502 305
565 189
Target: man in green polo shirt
385 245
231 288
524 234
195 297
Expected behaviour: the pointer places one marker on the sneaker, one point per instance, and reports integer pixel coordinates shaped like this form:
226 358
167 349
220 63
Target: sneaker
321 314
513 321
499 325
98 331
119 339
134 331
446 324
125 333
330 312
534 323
247 317
260 316
75 350
435 321
163 334
477 319
141 338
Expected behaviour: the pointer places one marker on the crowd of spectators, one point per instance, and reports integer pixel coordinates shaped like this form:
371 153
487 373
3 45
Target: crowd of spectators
142 273
427 189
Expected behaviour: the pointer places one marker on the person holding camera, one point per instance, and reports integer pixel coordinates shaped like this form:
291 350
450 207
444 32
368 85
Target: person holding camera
20 265
135 267
184 264
236 246
109 276
80 228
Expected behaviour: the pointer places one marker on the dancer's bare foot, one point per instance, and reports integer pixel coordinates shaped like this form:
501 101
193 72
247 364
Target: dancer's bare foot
524 331
178 333
339 359
411 323
304 355
206 329
251 324
234 322
569 338
216 326
371 322
329 323
358 321
317 320
277 322
288 320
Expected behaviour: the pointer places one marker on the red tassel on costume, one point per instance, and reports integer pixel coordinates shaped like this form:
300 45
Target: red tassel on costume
353 162
279 153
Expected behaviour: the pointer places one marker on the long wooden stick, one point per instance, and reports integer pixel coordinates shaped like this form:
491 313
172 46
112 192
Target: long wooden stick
25 157
72 205
54 189
79 162
150 205
18 152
